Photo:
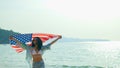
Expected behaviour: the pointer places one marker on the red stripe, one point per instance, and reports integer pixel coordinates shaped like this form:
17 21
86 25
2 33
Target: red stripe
14 46
17 48
42 36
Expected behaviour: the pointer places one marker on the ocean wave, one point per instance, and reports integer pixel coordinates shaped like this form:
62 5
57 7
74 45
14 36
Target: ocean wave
66 66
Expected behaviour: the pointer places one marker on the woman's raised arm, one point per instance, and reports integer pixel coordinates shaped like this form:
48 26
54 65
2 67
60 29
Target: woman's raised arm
59 37
24 46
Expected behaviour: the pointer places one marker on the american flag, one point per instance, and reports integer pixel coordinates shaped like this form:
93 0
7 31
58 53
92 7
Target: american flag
27 39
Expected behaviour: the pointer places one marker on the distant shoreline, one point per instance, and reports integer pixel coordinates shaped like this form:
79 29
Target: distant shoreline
4 35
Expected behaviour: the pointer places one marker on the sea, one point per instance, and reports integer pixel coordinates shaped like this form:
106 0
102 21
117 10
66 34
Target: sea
103 54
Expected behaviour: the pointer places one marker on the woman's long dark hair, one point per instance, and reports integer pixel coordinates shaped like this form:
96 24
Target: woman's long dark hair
39 43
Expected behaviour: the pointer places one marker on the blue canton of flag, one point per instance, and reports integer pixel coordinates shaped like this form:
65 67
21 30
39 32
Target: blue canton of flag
23 38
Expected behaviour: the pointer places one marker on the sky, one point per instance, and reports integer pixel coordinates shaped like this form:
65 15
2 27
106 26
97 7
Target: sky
95 19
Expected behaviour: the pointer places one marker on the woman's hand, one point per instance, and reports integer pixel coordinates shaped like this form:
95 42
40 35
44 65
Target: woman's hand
11 38
59 36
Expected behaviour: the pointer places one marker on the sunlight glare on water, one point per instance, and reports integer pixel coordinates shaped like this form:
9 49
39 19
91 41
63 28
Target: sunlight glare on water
108 52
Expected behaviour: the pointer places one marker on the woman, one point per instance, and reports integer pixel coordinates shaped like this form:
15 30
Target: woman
35 51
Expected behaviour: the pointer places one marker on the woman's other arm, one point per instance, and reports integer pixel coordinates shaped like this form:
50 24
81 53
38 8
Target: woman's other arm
59 37
46 47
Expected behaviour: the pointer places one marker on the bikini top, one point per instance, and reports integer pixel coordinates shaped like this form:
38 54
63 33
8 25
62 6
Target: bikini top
33 52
